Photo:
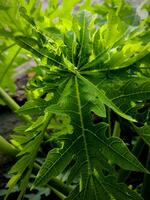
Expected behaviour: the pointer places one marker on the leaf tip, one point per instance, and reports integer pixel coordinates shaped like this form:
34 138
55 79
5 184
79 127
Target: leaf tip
32 187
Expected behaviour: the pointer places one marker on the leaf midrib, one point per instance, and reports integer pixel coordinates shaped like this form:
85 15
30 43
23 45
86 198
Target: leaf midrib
131 94
82 123
83 33
48 57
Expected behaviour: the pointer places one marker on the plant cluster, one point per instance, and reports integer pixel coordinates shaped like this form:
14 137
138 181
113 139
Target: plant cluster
89 93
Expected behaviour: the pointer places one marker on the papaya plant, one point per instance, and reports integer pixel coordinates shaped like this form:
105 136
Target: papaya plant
90 65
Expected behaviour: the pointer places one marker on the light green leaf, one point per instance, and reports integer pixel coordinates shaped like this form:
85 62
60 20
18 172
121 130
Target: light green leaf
33 106
55 162
99 94
76 57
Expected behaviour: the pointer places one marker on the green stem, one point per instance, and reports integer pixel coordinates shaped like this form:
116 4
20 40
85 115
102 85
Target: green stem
12 104
116 131
58 193
8 100
8 47
7 148
109 121
9 65
146 183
